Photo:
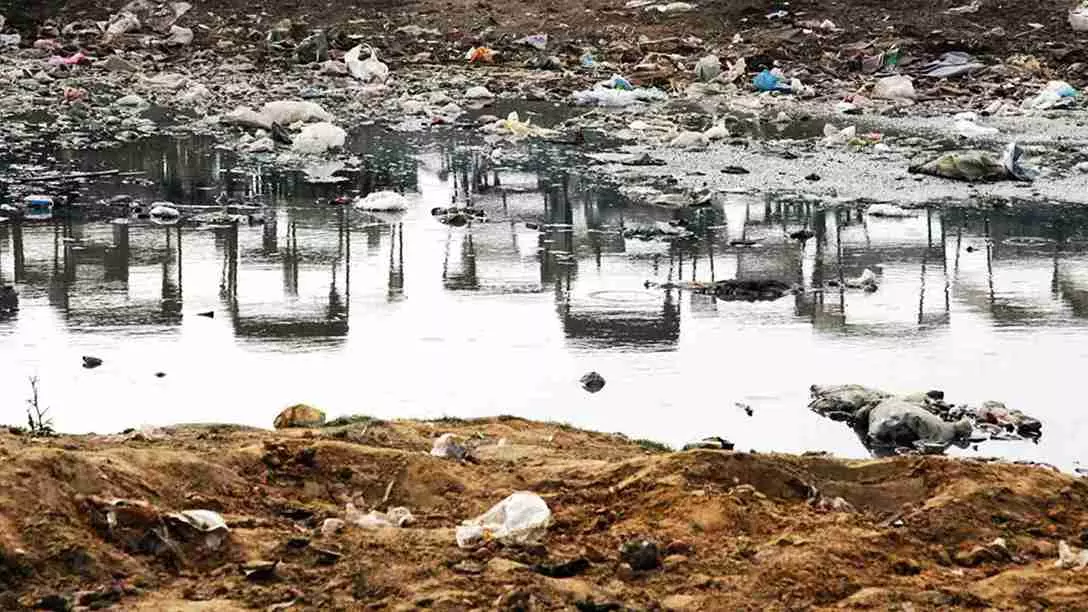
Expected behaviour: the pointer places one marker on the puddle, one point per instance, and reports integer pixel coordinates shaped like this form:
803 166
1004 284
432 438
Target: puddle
401 316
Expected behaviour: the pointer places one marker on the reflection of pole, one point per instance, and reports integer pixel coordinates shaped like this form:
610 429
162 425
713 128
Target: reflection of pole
171 274
989 262
290 262
117 258
396 262
19 259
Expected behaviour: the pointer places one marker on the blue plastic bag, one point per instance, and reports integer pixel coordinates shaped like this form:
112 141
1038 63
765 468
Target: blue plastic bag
768 81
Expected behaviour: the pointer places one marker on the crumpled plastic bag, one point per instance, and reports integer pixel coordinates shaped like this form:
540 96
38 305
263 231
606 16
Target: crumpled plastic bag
951 64
1078 18
1070 558
617 98
522 518
967 126
206 522
318 138
1056 94
370 70
708 68
447 447
289 112
979 166
894 88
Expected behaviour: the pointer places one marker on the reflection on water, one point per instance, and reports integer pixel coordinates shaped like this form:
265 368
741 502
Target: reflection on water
317 302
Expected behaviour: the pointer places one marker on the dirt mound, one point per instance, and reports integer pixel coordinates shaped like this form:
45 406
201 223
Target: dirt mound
736 530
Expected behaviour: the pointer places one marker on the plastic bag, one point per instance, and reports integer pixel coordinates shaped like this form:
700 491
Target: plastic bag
1078 18
769 81
894 88
370 70
1069 558
708 68
521 518
318 138
1056 94
447 447
289 112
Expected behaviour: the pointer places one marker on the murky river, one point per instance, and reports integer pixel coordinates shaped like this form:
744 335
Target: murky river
402 316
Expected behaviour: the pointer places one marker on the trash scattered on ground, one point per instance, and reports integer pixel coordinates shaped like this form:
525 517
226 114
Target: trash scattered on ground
520 519
394 518
299 415
925 423
592 382
979 166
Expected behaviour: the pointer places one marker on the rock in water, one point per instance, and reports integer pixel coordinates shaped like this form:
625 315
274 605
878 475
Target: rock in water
91 362
592 382
299 415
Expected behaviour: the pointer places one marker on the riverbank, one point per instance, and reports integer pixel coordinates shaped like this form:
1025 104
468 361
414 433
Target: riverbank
736 530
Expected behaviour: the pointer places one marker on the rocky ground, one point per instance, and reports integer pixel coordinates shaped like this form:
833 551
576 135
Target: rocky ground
733 530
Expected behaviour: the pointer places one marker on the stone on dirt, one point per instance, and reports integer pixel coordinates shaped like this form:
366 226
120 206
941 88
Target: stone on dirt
299 415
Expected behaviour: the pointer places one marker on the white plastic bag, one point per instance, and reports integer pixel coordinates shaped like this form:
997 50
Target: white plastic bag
289 112
370 70
521 518
318 138
447 447
1078 18
894 88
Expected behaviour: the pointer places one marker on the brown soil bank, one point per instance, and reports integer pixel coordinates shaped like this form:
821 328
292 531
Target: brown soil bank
738 531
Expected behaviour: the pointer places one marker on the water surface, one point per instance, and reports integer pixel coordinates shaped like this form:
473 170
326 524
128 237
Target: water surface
402 316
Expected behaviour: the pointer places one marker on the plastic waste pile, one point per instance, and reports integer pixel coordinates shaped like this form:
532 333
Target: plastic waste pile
980 166
922 422
520 519
617 92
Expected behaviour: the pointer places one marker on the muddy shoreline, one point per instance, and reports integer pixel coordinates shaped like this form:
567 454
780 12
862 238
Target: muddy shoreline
735 529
